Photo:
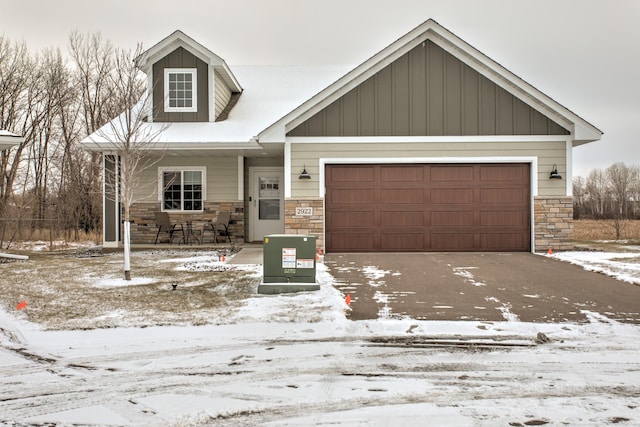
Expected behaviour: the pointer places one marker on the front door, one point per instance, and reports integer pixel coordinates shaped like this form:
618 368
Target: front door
266 202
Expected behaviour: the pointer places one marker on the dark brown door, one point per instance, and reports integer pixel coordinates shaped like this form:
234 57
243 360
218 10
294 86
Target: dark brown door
427 207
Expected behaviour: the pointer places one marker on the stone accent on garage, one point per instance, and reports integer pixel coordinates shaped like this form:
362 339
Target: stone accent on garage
553 219
143 228
311 223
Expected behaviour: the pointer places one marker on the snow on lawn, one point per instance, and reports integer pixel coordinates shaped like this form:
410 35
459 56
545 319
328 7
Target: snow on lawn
621 266
295 359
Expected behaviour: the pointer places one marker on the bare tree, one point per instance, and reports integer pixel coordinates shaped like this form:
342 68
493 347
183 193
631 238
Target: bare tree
20 98
131 138
598 196
579 196
93 78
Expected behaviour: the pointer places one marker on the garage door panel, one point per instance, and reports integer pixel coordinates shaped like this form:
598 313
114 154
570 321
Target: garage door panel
502 173
452 241
452 218
401 219
350 242
503 218
422 207
352 174
451 196
348 196
502 196
503 241
402 241
461 173
353 219
408 173
401 196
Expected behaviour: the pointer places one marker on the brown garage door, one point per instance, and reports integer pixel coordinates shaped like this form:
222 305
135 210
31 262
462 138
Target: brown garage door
427 207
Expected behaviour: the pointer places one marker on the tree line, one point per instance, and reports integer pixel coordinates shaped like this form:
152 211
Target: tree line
612 193
54 101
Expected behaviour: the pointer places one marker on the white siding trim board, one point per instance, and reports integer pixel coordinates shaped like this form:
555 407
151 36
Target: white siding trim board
425 139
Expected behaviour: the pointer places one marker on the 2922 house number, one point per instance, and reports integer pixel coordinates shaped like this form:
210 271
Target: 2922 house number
304 211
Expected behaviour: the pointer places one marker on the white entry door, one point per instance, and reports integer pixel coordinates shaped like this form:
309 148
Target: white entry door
266 202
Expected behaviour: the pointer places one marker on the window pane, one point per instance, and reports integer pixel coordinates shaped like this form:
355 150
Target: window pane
180 90
269 209
171 193
192 190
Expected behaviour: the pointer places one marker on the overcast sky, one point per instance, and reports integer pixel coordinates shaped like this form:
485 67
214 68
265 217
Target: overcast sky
585 54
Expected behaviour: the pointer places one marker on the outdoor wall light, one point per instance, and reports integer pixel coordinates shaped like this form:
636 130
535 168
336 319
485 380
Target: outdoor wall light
554 173
304 174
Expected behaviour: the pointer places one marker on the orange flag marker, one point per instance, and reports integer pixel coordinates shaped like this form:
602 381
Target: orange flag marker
348 299
550 252
222 259
22 305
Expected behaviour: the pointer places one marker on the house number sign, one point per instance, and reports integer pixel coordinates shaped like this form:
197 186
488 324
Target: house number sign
304 211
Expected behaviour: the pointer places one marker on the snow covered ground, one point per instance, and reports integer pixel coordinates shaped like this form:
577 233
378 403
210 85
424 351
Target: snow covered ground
291 360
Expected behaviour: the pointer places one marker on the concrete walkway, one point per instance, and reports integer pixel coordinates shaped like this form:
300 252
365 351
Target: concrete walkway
248 255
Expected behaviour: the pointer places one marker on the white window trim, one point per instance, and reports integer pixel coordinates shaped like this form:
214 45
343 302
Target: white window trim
181 169
194 80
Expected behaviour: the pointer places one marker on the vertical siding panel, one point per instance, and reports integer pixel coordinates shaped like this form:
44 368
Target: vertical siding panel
487 107
504 113
428 92
367 101
332 119
202 115
350 113
316 124
418 84
554 129
436 90
522 118
401 95
181 58
470 100
453 88
383 103
538 123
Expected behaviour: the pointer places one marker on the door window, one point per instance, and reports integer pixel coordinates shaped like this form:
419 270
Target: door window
269 198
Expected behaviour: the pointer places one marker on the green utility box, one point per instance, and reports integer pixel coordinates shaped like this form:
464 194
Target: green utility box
289 264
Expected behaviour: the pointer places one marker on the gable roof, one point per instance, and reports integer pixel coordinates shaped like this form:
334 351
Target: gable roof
178 39
8 139
581 130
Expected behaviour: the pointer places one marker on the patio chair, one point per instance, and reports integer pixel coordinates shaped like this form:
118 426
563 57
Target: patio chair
164 226
220 227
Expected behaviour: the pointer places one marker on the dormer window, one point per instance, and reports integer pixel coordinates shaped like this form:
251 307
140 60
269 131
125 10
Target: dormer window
180 90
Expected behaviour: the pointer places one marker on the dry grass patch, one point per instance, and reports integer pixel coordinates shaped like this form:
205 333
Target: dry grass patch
68 292
594 230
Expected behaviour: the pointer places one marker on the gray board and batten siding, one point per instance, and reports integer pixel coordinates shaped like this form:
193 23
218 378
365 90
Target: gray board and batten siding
428 92
180 58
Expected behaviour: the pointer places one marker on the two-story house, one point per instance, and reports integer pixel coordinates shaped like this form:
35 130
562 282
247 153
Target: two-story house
429 145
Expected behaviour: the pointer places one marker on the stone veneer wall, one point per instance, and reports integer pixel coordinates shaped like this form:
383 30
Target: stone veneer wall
553 219
144 230
312 225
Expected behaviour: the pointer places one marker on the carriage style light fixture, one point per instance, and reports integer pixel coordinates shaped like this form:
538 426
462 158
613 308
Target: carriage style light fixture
304 174
554 173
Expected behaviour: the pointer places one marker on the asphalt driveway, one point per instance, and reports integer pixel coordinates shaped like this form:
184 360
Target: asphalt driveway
479 286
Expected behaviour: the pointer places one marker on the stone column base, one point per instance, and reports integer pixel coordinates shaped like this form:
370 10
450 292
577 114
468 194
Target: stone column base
308 218
553 221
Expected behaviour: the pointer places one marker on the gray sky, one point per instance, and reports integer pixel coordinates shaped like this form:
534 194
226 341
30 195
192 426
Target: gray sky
583 53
